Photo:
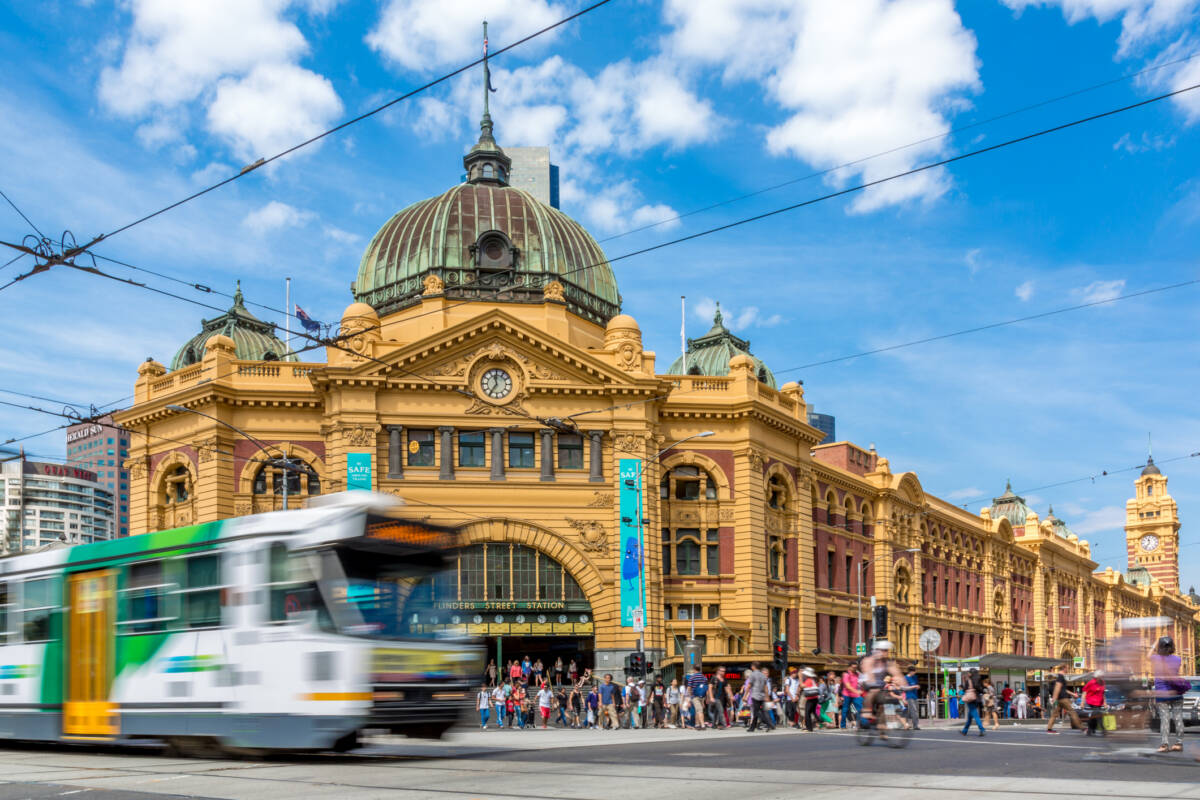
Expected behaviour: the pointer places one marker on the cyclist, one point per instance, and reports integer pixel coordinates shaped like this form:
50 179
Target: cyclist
875 668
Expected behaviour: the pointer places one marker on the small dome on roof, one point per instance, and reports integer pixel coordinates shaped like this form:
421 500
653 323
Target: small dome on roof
253 339
1011 506
1150 468
355 310
623 322
712 353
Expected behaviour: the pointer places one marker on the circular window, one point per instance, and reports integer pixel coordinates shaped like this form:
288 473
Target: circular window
494 250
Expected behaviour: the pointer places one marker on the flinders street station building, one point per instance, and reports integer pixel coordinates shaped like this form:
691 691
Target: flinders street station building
486 375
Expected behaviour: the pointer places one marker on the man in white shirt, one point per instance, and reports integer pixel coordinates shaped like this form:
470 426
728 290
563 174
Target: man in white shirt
499 696
483 703
791 690
545 699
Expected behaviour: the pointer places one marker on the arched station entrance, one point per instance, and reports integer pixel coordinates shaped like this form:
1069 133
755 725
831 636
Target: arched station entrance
521 602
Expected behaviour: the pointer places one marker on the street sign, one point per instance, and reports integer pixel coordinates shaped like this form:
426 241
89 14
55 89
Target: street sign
639 622
1079 662
930 640
860 648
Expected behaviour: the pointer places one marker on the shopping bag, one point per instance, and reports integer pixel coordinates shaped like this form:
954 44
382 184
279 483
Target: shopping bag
1109 721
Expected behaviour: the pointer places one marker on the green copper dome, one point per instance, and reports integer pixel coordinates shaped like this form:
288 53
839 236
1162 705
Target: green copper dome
485 240
1011 506
255 339
710 354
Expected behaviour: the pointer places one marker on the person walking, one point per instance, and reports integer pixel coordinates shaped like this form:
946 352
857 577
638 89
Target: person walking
558 671
561 703
833 698
489 674
1169 689
658 702
810 692
912 694
1093 701
991 703
972 698
574 706
674 700
1006 698
609 692
483 702
1022 701
573 671
792 702
851 696
758 682
697 688
545 702
593 708
499 700
1059 704
718 695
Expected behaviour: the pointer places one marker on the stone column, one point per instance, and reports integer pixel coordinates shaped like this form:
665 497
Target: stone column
547 454
447 447
497 453
395 451
596 474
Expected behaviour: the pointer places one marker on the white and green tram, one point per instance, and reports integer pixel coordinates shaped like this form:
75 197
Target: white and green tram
290 630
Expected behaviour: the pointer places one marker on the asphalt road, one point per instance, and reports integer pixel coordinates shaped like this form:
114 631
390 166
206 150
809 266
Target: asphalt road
629 765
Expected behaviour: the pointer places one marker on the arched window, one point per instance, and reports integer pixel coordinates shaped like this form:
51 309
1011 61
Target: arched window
762 374
302 480
690 482
687 556
903 586
177 485
506 572
694 370
487 170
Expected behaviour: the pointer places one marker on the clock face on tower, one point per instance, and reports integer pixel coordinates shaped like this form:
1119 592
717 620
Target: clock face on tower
1149 542
496 383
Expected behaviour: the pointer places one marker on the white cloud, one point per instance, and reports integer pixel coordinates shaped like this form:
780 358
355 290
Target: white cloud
340 236
272 108
659 215
425 37
1143 144
1024 292
1100 291
1108 518
236 58
972 259
276 215
965 494
735 320
855 77
1141 20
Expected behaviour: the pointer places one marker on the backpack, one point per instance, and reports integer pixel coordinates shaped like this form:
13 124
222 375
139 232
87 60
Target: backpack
823 691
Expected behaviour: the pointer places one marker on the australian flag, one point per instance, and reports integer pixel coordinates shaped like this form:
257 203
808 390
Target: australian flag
310 324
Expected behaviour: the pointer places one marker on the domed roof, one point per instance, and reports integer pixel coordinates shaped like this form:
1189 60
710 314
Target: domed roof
1151 468
710 354
486 240
254 339
1011 506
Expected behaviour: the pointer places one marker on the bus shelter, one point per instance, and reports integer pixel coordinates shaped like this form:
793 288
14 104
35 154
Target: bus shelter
1002 668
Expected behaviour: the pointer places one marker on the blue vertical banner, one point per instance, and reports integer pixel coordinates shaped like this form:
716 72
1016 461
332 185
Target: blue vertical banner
358 471
631 545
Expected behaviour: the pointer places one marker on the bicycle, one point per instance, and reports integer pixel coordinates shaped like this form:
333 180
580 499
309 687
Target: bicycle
894 733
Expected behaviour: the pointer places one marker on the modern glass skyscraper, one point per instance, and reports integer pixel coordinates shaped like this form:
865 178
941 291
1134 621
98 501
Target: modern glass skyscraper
102 448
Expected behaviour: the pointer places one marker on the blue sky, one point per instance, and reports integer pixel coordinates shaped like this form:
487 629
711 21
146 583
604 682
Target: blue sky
109 111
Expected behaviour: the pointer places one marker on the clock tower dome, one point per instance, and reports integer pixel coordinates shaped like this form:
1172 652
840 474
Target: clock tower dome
1152 528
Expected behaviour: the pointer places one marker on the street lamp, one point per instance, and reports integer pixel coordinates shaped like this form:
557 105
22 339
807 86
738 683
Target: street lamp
642 534
862 567
278 462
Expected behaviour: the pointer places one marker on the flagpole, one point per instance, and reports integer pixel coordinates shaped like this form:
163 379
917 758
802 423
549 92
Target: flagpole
683 330
287 312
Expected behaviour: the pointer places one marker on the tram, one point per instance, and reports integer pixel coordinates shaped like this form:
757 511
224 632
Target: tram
289 630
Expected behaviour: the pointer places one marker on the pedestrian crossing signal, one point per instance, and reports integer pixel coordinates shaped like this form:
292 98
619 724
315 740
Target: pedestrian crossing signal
781 656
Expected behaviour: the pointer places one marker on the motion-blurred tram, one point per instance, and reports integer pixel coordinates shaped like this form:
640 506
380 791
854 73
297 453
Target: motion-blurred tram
290 630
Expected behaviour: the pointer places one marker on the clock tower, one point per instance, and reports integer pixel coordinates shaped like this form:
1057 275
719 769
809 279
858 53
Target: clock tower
1152 528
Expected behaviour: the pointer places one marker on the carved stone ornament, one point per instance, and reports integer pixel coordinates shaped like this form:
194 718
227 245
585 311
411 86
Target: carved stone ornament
478 407
592 535
493 351
539 370
433 285
756 460
629 357
554 291
601 500
206 451
241 509
136 467
726 515
359 436
630 442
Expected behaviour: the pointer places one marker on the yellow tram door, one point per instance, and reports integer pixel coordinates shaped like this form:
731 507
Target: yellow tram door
90 624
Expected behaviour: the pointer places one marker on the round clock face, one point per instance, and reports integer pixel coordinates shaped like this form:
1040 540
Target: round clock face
1149 542
496 383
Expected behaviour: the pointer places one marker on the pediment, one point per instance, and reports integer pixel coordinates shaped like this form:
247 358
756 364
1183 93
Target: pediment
453 355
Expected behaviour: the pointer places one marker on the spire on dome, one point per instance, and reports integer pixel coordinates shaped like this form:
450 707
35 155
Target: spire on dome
486 162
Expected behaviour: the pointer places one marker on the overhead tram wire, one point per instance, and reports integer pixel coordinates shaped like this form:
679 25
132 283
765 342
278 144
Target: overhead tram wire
262 162
22 213
898 148
822 198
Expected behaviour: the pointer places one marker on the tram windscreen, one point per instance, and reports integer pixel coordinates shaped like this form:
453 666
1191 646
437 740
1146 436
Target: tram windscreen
369 594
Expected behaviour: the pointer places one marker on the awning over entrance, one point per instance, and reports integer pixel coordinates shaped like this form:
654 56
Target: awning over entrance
1000 661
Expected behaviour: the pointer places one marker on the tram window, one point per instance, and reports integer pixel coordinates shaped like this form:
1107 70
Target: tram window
202 592
144 606
37 604
5 635
420 448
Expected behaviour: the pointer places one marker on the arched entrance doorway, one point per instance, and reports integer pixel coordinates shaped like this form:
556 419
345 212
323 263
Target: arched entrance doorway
522 602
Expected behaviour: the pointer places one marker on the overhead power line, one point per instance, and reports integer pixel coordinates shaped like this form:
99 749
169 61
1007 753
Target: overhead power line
898 148
22 213
262 162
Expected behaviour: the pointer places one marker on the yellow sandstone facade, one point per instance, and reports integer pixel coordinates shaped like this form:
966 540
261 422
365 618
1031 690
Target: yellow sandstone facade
485 376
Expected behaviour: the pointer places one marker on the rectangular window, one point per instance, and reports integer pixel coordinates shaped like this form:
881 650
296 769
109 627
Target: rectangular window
666 551
714 611
687 551
420 448
570 451
202 591
712 549
829 571
849 572
5 606
471 449
520 450
471 565
37 605
666 610
524 572
550 577
143 606
498 583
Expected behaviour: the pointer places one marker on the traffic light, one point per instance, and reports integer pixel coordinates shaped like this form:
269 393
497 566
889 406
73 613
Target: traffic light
781 657
879 631
637 663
